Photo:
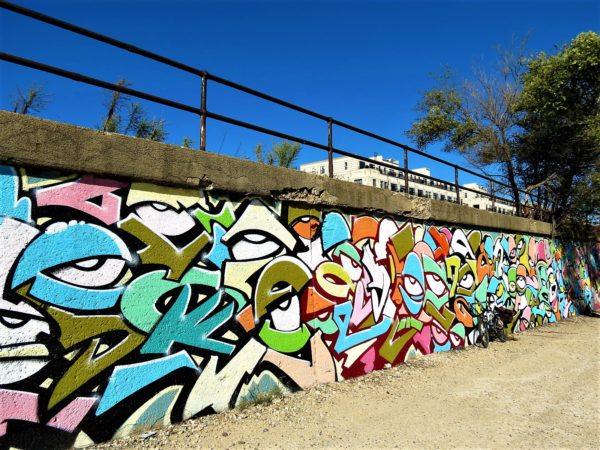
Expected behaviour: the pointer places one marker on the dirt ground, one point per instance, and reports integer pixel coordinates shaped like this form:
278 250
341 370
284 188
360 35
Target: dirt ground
539 391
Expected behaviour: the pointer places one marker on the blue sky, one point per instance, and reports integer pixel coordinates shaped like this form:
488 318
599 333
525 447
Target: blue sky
362 62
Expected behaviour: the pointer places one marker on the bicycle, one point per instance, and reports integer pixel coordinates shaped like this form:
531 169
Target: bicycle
483 335
489 326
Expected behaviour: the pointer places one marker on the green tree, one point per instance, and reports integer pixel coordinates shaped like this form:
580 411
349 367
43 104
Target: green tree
283 153
135 121
559 146
477 118
187 142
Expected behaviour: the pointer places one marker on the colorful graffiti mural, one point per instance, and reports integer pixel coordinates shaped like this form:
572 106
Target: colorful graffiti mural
127 305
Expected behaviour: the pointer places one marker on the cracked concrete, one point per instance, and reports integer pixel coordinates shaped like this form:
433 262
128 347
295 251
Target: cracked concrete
421 208
307 195
32 142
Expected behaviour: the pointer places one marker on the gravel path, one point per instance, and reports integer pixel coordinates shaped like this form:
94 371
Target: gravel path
539 391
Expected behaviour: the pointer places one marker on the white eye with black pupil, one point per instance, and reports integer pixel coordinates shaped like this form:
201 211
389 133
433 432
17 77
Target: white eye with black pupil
412 286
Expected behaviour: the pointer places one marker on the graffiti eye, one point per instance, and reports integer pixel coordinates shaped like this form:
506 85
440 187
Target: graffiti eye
286 317
543 282
11 320
512 285
456 339
467 281
334 279
440 335
255 246
521 282
88 264
531 263
520 245
351 266
412 286
435 283
91 272
165 219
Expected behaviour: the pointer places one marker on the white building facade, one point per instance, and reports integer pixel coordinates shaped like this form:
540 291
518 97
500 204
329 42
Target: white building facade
375 175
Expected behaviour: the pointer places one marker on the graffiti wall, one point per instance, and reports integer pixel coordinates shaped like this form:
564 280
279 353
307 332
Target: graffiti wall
126 306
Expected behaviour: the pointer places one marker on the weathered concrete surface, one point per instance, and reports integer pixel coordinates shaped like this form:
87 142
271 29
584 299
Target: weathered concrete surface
34 142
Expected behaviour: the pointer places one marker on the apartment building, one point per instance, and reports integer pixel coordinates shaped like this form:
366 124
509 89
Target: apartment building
373 174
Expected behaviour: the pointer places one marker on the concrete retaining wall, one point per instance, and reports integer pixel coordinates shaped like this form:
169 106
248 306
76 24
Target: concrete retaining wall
143 284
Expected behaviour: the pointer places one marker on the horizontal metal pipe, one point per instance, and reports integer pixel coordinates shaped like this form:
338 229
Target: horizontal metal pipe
115 87
246 89
251 126
486 194
98 36
95 82
411 149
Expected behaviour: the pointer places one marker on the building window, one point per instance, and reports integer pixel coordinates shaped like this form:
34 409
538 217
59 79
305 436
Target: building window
361 164
374 183
394 187
465 195
420 192
322 170
411 191
358 181
435 196
442 197
345 165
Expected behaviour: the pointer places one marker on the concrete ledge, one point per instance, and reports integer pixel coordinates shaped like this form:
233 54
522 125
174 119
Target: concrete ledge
33 142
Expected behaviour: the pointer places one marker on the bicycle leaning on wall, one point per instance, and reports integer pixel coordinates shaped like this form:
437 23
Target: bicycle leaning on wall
489 325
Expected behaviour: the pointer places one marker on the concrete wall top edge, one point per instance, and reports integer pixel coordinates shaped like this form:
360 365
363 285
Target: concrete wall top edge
34 142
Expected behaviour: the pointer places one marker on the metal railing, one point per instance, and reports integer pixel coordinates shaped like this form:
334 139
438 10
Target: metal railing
204 113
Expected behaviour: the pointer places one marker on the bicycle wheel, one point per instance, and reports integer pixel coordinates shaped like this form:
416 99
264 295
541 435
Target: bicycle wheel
484 336
501 334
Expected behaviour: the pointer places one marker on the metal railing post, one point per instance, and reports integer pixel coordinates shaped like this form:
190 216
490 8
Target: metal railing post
203 113
493 195
330 145
456 185
405 170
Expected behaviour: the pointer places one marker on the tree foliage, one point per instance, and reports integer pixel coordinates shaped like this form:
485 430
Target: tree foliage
187 142
127 117
538 118
560 138
283 153
477 118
